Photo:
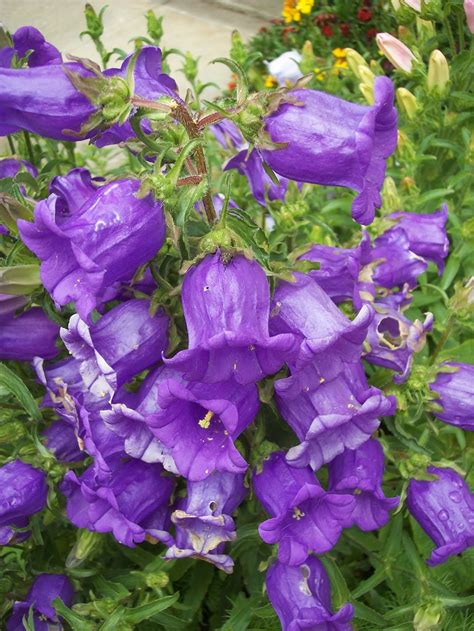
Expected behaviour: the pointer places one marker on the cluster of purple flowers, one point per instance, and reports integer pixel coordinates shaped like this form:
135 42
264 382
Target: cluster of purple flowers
183 418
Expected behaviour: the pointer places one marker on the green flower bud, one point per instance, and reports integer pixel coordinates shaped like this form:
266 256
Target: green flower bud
438 72
390 196
308 58
217 238
428 617
190 67
407 103
238 50
86 543
157 580
94 21
154 27
366 75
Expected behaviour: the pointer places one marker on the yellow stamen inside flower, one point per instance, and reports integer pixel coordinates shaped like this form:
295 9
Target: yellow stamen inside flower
206 421
297 513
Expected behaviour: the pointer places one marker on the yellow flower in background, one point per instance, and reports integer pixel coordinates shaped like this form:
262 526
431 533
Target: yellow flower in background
269 81
305 6
341 61
319 74
339 53
292 9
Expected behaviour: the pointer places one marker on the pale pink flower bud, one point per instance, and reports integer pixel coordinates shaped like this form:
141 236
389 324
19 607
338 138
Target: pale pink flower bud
396 51
414 4
469 9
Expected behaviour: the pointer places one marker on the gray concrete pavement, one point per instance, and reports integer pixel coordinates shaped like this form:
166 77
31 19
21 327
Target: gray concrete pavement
202 27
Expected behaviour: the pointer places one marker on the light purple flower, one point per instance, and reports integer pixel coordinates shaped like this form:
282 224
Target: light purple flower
23 492
329 415
61 439
9 167
455 389
393 263
354 157
444 508
339 271
301 596
44 590
127 417
426 234
198 423
304 517
203 520
28 38
360 472
393 339
249 163
226 304
31 334
122 343
89 243
228 135
132 505
304 309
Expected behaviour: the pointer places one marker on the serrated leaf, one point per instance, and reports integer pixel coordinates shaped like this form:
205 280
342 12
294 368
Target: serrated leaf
17 388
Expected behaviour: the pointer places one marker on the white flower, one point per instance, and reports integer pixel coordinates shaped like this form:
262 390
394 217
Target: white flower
285 68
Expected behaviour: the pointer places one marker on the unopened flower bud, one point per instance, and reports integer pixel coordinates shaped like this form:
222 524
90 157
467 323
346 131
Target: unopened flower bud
438 72
93 21
407 102
190 67
390 196
157 580
308 58
154 27
395 51
413 4
427 617
366 75
425 28
355 61
367 92
469 10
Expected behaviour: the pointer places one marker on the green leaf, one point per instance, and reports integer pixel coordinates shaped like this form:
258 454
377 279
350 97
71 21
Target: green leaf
240 614
377 577
363 612
17 388
339 590
251 235
144 612
77 622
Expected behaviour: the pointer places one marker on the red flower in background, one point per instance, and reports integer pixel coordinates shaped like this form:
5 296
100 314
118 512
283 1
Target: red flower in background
324 18
371 33
345 29
364 14
327 31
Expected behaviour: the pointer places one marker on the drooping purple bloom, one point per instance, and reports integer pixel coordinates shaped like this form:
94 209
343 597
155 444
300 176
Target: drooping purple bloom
392 261
45 101
44 590
304 517
426 234
393 339
132 504
23 492
10 303
31 334
9 167
249 163
226 304
329 415
455 389
203 520
360 471
354 157
339 271
304 309
198 423
444 508
27 39
61 439
127 417
89 243
122 343
301 596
